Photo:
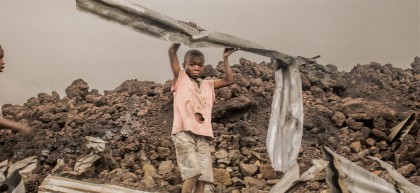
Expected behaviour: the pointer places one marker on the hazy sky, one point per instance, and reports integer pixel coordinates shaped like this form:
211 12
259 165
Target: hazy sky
49 43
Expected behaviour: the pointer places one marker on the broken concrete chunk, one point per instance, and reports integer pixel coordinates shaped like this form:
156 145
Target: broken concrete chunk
98 145
83 164
25 166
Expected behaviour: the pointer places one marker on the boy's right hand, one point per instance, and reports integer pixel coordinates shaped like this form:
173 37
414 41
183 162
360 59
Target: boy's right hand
173 58
174 48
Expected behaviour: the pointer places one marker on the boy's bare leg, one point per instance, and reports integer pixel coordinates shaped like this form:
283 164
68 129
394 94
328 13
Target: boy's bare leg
188 185
199 186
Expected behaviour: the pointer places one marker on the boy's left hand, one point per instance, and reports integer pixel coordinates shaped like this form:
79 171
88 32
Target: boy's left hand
228 51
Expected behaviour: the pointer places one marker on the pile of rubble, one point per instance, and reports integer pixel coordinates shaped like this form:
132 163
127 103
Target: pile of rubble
350 112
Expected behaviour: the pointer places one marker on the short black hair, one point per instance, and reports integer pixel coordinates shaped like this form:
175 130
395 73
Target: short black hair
192 53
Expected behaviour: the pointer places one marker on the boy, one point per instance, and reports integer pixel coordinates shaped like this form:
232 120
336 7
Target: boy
193 102
4 123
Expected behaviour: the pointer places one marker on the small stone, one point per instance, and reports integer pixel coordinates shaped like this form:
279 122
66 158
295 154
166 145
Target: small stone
267 172
370 141
221 154
406 170
248 169
356 146
221 176
166 167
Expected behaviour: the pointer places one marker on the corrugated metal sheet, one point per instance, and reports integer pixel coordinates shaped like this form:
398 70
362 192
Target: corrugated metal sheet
343 176
55 184
159 26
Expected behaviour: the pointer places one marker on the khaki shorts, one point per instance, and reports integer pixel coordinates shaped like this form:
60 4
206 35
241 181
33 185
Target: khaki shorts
193 156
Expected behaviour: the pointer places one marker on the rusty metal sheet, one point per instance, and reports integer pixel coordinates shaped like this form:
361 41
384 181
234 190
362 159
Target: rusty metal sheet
343 176
53 184
154 24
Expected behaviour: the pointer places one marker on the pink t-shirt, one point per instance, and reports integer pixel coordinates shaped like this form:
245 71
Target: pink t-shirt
189 100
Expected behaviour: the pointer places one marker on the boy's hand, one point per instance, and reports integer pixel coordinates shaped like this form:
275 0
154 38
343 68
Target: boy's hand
228 51
174 48
173 59
228 80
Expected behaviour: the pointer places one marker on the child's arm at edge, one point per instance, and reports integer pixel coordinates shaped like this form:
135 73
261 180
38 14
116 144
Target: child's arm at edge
15 126
173 59
228 80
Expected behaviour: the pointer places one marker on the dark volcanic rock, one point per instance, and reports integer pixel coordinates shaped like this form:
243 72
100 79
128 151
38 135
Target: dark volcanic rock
78 88
351 112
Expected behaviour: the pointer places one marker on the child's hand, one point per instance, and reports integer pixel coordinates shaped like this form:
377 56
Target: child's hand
24 130
174 48
228 51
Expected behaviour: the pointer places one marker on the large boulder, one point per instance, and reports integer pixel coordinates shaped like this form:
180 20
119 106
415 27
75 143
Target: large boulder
78 88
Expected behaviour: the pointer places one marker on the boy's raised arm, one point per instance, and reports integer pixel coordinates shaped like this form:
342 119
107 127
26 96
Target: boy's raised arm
228 80
173 59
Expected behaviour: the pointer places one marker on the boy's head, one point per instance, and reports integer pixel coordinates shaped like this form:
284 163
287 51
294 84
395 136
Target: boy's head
194 63
1 59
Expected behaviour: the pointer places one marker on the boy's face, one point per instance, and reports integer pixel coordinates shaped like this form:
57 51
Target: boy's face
1 60
194 66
